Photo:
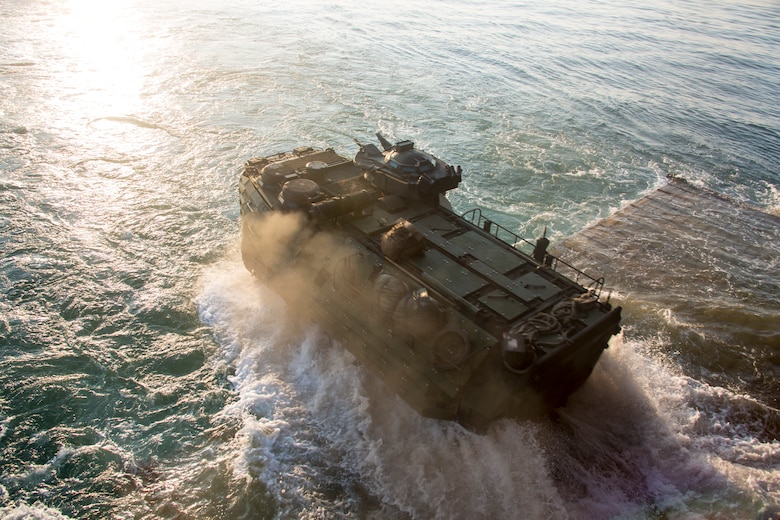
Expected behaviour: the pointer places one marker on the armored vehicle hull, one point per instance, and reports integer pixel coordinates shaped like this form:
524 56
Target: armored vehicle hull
447 310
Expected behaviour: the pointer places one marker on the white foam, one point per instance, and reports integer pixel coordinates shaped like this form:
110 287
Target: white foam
771 198
37 511
645 438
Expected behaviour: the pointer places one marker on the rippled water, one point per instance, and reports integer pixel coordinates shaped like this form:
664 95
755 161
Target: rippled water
145 374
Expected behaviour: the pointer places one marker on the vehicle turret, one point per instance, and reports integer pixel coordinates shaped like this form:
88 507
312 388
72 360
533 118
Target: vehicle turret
403 170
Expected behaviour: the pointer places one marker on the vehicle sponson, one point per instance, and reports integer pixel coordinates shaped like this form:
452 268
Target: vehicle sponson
461 324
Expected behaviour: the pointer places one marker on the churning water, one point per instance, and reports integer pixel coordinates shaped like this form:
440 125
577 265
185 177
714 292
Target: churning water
145 374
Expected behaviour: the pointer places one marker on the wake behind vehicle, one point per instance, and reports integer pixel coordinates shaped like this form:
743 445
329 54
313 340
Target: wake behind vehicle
447 310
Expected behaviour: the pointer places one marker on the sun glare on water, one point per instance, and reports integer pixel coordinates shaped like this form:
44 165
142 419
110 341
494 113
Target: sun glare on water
103 53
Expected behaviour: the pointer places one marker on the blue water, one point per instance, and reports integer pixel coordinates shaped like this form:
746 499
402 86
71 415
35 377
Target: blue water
145 374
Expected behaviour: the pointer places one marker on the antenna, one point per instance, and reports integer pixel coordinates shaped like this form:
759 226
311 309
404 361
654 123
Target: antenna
385 143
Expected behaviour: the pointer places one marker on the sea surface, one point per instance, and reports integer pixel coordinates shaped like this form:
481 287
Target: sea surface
145 374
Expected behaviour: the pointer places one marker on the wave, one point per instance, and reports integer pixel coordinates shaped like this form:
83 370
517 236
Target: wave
135 122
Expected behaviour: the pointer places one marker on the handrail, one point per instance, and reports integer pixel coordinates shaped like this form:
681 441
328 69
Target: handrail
517 242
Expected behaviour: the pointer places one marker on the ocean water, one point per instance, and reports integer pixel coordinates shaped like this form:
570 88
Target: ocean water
145 374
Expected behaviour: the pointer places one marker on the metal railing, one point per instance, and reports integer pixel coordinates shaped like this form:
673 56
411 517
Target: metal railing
517 242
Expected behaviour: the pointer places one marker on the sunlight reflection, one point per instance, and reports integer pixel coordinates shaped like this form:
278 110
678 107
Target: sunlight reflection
103 48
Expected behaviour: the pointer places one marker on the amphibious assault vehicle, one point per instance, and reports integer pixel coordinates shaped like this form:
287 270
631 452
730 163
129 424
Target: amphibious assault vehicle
459 316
